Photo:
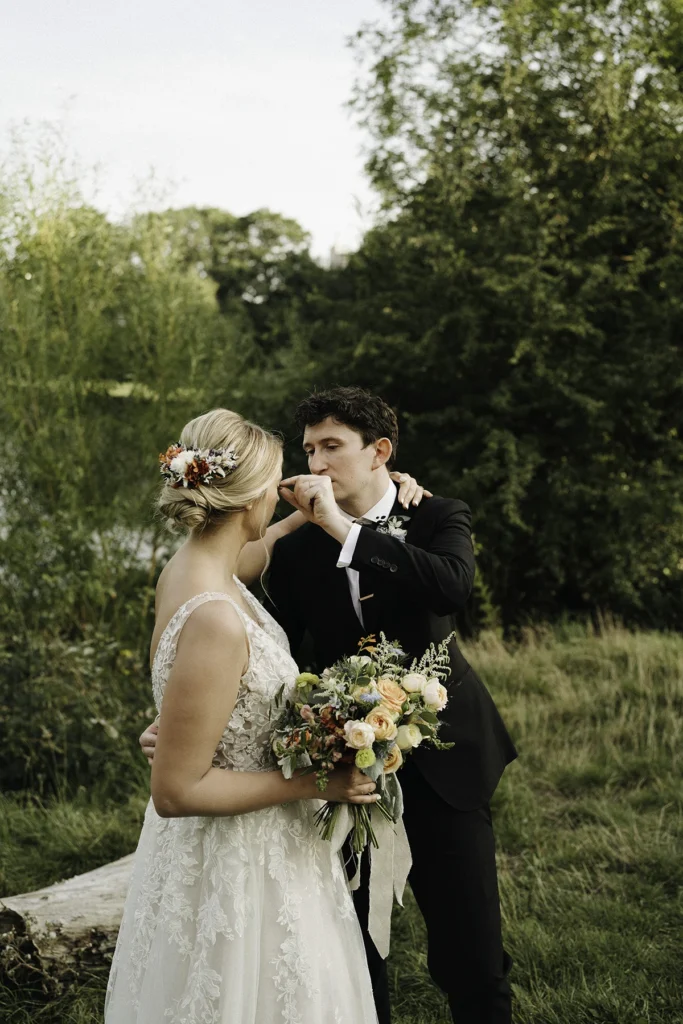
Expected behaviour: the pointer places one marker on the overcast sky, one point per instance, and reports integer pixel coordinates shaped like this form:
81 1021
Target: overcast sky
238 103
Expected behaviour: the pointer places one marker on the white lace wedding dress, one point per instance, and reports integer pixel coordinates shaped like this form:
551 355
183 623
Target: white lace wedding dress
245 919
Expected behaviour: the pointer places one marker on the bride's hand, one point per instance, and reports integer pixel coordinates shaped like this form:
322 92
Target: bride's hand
410 490
348 785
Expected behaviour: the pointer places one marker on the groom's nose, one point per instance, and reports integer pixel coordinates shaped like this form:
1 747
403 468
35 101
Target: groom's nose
317 463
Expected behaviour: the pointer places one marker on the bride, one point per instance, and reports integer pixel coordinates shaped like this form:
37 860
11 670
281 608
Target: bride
237 912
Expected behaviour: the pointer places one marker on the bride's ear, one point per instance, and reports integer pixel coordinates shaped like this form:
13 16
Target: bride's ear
383 450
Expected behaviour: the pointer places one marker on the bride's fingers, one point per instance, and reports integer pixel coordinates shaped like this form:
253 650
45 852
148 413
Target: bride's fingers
288 495
404 482
412 489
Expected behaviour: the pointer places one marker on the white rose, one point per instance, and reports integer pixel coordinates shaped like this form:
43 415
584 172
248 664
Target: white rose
359 735
414 682
435 695
408 736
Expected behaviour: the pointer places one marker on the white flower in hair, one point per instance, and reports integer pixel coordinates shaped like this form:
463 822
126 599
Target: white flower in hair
225 460
179 463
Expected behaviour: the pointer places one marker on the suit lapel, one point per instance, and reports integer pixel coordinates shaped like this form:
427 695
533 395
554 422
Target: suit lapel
331 585
376 588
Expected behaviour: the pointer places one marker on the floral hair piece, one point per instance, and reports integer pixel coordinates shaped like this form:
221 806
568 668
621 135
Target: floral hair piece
190 467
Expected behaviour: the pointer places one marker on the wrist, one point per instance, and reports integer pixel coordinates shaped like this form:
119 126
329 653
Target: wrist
304 786
337 527
291 523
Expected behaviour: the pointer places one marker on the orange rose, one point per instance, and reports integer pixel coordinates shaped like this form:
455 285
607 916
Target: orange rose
381 720
393 695
394 760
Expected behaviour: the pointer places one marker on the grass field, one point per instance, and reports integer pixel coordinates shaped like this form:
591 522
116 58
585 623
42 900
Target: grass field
590 838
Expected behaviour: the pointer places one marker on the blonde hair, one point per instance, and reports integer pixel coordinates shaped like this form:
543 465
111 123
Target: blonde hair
259 453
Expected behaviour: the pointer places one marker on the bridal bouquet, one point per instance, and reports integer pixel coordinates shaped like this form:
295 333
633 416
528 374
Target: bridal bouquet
370 710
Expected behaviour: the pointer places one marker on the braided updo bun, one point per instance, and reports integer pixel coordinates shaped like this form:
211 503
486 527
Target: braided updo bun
259 455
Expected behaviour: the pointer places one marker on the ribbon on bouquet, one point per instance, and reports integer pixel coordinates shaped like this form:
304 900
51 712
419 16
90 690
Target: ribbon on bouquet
390 863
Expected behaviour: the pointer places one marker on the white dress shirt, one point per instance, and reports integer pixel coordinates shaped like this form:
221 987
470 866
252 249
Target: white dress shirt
382 510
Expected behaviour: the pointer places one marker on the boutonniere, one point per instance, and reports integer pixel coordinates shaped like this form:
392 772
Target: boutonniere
393 526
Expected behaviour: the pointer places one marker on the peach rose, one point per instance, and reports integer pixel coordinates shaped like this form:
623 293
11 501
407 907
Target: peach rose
393 760
381 720
393 695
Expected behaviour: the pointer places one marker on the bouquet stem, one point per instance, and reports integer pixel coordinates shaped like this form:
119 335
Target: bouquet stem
362 831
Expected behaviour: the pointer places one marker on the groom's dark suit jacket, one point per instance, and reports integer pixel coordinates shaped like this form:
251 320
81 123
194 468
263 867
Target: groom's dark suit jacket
416 588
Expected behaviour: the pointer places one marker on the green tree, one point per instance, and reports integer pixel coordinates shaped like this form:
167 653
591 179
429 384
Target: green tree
260 263
518 301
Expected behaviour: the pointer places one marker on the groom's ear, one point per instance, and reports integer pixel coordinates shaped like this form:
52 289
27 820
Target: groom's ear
383 450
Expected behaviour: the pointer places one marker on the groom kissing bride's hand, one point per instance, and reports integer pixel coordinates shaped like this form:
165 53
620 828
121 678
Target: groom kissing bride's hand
313 496
359 556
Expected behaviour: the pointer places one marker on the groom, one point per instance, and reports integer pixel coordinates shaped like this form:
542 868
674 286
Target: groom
362 565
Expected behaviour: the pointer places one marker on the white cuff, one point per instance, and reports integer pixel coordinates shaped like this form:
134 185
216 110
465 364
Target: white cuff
349 549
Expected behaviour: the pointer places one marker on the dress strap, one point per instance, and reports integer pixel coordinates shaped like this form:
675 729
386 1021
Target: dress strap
168 641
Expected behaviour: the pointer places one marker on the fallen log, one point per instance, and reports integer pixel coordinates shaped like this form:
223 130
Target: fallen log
48 937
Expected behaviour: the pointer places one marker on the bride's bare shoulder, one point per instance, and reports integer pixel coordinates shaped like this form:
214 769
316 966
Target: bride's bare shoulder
179 581
176 584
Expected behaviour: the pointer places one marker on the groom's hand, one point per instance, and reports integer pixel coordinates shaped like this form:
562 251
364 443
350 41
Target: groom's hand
314 497
148 741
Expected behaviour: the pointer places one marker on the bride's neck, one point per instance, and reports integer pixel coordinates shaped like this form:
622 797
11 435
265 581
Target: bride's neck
218 549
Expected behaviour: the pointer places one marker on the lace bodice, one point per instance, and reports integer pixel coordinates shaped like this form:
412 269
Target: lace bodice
245 743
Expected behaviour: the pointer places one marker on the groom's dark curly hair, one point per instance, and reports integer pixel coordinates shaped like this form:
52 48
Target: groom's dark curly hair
354 407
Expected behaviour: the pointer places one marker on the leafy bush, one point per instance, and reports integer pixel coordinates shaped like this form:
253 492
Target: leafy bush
74 686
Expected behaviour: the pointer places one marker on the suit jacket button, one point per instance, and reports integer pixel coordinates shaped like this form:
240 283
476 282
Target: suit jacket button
394 568
375 560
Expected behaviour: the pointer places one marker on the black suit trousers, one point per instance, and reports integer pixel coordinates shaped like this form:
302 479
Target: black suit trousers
453 879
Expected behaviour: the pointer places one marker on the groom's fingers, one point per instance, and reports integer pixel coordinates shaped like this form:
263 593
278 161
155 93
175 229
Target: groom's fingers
299 486
304 478
309 489
301 495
